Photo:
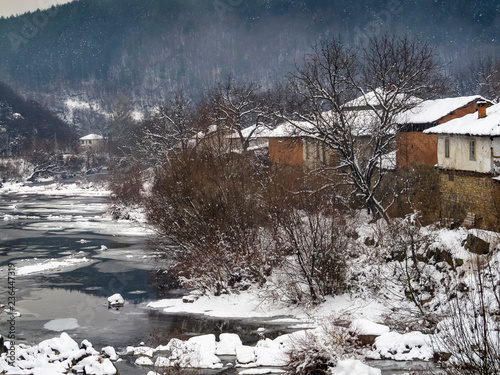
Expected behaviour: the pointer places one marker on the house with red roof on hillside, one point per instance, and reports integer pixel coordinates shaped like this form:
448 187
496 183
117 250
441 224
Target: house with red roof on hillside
413 145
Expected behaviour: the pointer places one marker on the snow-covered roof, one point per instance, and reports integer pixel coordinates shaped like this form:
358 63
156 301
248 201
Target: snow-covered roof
430 111
363 122
297 129
472 125
362 118
91 137
372 98
254 131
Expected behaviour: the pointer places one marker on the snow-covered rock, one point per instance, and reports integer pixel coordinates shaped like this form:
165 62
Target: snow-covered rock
63 344
197 352
245 354
142 351
98 366
116 300
402 347
110 352
354 367
143 361
57 356
228 342
367 327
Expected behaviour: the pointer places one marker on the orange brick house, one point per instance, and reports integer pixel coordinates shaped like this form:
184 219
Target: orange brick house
289 146
298 148
412 144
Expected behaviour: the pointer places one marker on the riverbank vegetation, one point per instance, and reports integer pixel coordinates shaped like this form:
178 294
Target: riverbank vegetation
228 220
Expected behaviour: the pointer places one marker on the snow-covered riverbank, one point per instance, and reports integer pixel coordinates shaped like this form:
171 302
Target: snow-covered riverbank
378 306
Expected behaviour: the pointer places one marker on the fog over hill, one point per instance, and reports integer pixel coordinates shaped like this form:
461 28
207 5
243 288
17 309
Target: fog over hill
91 52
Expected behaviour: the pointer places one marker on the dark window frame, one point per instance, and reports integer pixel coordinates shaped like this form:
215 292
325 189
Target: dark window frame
472 149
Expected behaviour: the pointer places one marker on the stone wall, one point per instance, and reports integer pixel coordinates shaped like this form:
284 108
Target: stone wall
468 109
464 192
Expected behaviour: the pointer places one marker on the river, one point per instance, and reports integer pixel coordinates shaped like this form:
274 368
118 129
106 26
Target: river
70 256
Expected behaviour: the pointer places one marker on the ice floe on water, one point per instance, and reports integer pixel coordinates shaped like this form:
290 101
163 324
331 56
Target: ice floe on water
70 214
52 265
60 325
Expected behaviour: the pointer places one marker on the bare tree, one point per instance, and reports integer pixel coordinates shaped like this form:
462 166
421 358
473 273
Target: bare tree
239 106
485 76
169 128
6 117
350 99
122 127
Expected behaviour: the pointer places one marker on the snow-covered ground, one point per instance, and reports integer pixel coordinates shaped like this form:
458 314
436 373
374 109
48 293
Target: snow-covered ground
379 306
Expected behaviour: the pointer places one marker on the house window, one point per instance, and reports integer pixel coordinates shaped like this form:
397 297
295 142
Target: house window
447 147
90 142
472 150
82 142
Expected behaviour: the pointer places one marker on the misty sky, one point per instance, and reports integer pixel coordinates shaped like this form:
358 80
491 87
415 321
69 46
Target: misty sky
13 7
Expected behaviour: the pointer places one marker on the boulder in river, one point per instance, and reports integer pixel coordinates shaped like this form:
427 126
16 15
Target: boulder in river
116 300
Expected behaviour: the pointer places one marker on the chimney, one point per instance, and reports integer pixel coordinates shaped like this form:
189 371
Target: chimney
481 109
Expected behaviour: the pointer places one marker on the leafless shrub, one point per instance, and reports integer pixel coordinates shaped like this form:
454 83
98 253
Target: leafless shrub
127 184
10 169
408 243
312 232
309 356
209 205
471 333
316 352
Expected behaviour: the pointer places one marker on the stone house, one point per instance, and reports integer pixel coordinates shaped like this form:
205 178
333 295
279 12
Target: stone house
468 159
413 145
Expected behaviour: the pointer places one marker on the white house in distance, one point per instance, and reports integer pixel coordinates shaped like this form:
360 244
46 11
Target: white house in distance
94 142
470 143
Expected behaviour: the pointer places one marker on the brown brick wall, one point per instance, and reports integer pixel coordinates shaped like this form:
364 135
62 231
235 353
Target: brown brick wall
286 151
472 193
416 148
461 112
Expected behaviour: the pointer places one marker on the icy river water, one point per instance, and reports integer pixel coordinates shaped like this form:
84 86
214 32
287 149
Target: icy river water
70 256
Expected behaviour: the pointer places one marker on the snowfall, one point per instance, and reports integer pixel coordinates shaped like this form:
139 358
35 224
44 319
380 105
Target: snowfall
378 308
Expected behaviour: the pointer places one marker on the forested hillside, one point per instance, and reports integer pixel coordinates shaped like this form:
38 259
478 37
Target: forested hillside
23 122
96 50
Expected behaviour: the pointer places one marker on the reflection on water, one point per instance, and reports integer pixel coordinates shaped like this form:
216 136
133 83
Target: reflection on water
45 228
